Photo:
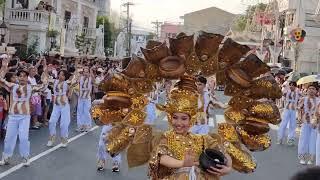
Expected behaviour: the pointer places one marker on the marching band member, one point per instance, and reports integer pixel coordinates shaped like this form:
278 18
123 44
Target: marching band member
289 114
307 141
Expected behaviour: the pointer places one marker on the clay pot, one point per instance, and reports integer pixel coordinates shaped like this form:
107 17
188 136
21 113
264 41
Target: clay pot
239 76
151 44
136 68
115 82
207 45
253 66
231 52
171 67
182 45
211 158
254 127
117 100
155 54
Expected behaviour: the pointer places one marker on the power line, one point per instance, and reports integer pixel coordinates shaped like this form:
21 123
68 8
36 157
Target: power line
157 26
129 24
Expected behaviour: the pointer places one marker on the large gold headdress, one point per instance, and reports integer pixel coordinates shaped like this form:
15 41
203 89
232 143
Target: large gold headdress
183 98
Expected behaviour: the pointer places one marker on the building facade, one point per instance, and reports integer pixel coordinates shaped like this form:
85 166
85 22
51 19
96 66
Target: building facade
301 13
31 20
169 30
212 19
139 38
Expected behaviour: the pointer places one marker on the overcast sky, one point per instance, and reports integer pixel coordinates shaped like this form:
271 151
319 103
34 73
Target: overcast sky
146 11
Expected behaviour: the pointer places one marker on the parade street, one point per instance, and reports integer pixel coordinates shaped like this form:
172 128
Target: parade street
78 160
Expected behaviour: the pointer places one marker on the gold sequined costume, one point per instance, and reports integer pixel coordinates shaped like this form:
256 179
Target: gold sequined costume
183 99
175 145
247 117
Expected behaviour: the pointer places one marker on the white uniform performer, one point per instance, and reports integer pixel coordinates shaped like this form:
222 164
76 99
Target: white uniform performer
102 154
202 126
151 110
61 108
19 118
307 141
289 115
84 104
316 123
318 146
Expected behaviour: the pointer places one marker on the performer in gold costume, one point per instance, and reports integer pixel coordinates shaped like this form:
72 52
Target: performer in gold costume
176 152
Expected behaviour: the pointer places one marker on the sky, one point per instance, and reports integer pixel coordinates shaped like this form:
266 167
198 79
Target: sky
146 11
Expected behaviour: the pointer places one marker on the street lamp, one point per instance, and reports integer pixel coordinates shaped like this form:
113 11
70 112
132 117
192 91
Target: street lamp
3 31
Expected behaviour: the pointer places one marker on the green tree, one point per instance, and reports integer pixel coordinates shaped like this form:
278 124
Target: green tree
241 22
32 49
80 42
2 7
109 32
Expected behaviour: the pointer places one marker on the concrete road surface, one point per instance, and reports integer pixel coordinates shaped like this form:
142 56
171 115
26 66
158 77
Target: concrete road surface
78 160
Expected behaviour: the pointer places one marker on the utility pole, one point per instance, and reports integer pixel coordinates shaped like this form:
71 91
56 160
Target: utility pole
157 26
129 24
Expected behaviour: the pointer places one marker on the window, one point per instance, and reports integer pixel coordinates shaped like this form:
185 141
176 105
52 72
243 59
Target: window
67 16
86 22
20 4
289 19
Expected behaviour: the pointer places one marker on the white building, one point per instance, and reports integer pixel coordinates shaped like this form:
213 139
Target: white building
138 40
26 22
301 13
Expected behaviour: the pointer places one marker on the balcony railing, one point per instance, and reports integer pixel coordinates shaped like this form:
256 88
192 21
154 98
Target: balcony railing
27 16
89 32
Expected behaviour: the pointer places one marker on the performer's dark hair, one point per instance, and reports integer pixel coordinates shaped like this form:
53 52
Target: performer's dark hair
22 71
293 83
65 73
307 174
315 85
202 79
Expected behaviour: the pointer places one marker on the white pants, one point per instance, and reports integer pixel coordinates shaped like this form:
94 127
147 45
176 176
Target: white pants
318 150
202 129
151 113
18 125
288 117
102 152
64 113
83 113
307 142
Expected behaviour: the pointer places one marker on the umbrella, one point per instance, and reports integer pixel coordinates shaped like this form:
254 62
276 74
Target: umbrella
295 76
287 69
278 71
307 79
